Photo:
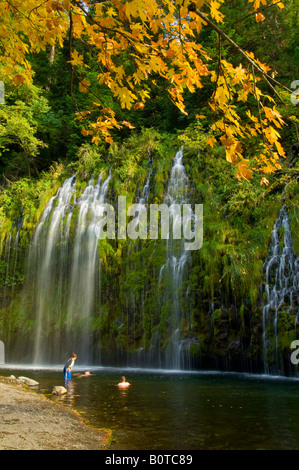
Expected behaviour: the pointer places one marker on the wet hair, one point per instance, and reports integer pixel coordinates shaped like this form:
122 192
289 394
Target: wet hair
123 378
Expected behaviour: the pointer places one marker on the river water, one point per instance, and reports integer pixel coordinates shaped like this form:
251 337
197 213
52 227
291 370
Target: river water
166 410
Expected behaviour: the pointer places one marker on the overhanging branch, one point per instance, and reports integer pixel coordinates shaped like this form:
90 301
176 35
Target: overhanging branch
192 7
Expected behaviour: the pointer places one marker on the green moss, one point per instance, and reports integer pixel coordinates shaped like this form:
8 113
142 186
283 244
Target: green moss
217 314
195 349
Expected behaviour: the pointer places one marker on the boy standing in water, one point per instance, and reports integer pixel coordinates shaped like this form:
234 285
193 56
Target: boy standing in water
67 370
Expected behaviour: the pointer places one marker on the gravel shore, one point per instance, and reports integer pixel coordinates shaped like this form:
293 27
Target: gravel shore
30 421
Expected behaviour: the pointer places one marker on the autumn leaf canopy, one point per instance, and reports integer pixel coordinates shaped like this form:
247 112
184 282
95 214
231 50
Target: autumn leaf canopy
138 44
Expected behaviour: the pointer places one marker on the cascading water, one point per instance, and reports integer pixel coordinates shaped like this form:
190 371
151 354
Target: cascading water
47 270
172 273
11 278
135 298
281 288
64 272
85 278
144 198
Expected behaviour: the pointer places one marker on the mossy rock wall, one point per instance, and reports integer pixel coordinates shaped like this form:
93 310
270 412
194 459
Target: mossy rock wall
222 315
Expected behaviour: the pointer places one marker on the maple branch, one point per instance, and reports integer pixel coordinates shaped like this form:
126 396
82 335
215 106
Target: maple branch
34 26
72 68
70 54
104 28
192 7
258 107
87 89
254 13
219 62
36 8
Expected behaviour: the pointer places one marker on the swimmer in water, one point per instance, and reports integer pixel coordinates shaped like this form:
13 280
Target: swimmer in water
123 383
86 374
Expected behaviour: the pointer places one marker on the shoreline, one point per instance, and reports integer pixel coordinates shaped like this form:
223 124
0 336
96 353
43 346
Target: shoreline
30 421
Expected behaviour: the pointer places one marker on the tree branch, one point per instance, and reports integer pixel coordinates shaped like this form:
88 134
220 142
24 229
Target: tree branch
191 7
253 13
70 54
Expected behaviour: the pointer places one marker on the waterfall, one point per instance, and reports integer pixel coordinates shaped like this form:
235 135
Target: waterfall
11 253
7 260
172 273
156 331
281 288
11 279
63 272
135 297
144 198
47 268
85 277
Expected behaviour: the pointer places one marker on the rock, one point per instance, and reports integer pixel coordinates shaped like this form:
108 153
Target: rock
236 345
59 390
27 381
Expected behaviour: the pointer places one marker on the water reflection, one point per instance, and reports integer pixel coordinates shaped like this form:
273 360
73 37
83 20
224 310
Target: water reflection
123 392
71 390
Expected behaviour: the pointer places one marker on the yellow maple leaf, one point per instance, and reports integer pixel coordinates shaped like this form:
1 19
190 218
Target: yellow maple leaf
144 95
264 181
273 115
77 59
242 95
83 86
131 9
211 141
221 95
280 149
96 139
66 4
253 118
257 3
215 13
139 105
240 74
271 134
128 124
126 97
111 12
278 3
18 80
244 171
86 132
259 17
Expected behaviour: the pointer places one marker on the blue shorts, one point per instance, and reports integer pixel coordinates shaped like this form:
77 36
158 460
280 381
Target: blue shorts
67 374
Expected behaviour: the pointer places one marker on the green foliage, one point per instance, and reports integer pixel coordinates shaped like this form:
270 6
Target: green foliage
26 199
89 162
19 145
